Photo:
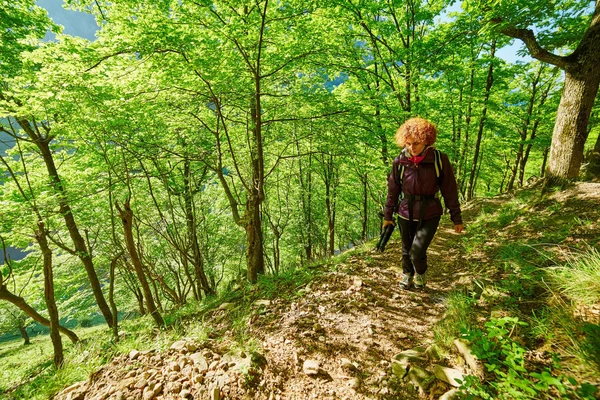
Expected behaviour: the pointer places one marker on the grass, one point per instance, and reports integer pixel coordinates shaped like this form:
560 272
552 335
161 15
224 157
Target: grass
546 270
459 316
29 369
579 278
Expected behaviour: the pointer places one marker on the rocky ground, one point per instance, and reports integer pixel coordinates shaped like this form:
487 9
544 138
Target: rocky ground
353 334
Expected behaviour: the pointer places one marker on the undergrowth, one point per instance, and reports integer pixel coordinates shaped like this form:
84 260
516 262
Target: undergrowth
535 325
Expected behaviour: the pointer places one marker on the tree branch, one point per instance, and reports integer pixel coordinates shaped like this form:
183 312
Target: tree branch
535 50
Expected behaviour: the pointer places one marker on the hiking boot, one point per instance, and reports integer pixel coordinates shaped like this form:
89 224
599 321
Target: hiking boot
406 281
420 281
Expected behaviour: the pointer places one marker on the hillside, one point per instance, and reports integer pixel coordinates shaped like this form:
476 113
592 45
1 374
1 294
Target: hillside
345 329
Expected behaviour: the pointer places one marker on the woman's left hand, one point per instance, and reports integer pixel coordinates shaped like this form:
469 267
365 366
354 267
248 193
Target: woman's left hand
459 228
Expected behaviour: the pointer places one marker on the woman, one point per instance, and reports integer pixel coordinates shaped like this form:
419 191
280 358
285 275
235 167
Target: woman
418 173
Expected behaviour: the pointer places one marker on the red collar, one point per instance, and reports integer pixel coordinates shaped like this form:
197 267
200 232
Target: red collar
417 159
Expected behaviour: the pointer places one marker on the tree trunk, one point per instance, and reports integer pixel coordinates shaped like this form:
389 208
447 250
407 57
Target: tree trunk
127 217
306 200
40 237
488 87
364 178
582 78
20 303
460 173
198 261
525 158
24 334
254 240
277 254
111 299
570 129
544 161
140 299
81 249
519 164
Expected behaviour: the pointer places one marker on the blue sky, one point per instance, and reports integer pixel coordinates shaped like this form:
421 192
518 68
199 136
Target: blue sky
75 23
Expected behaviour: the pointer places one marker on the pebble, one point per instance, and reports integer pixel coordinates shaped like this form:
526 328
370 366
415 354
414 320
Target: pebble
311 367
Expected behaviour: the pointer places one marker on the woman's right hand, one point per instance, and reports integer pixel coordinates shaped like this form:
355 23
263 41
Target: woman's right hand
386 223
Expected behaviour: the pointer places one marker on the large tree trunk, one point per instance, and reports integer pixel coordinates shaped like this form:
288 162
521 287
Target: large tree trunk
40 237
488 88
81 249
127 217
27 309
582 78
570 130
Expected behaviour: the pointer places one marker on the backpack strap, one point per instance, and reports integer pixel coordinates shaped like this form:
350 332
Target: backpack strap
437 162
401 174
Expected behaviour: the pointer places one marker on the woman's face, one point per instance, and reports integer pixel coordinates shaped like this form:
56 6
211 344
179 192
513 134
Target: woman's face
414 148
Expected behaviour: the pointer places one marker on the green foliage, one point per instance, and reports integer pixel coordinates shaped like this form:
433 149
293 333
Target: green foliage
162 109
505 359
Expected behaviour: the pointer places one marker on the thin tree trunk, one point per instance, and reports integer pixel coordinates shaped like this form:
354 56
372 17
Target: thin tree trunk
524 129
534 130
24 334
306 197
40 237
544 161
254 240
20 303
201 281
488 87
111 299
81 249
460 173
127 217
365 220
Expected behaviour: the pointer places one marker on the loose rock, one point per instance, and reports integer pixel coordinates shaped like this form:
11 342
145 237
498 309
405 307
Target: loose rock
311 367
464 348
449 375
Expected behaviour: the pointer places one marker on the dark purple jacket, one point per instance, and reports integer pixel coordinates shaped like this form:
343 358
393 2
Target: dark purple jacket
421 179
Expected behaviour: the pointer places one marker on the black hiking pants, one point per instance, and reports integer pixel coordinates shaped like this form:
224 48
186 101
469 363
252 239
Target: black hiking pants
415 243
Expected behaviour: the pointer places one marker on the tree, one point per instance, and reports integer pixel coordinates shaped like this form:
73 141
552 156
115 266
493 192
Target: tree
574 28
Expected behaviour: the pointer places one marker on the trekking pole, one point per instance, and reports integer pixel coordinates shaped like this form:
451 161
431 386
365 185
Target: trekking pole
385 237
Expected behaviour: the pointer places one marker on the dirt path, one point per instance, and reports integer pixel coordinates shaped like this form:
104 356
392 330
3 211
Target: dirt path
351 320
359 313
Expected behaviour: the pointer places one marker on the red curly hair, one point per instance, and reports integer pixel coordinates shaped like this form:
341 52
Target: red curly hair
418 129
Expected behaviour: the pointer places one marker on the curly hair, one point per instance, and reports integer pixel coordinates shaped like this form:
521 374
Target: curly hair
418 129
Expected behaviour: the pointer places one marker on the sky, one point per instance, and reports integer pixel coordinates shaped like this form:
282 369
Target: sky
75 23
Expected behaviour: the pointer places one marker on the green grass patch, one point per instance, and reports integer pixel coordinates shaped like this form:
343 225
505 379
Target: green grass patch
579 278
459 316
